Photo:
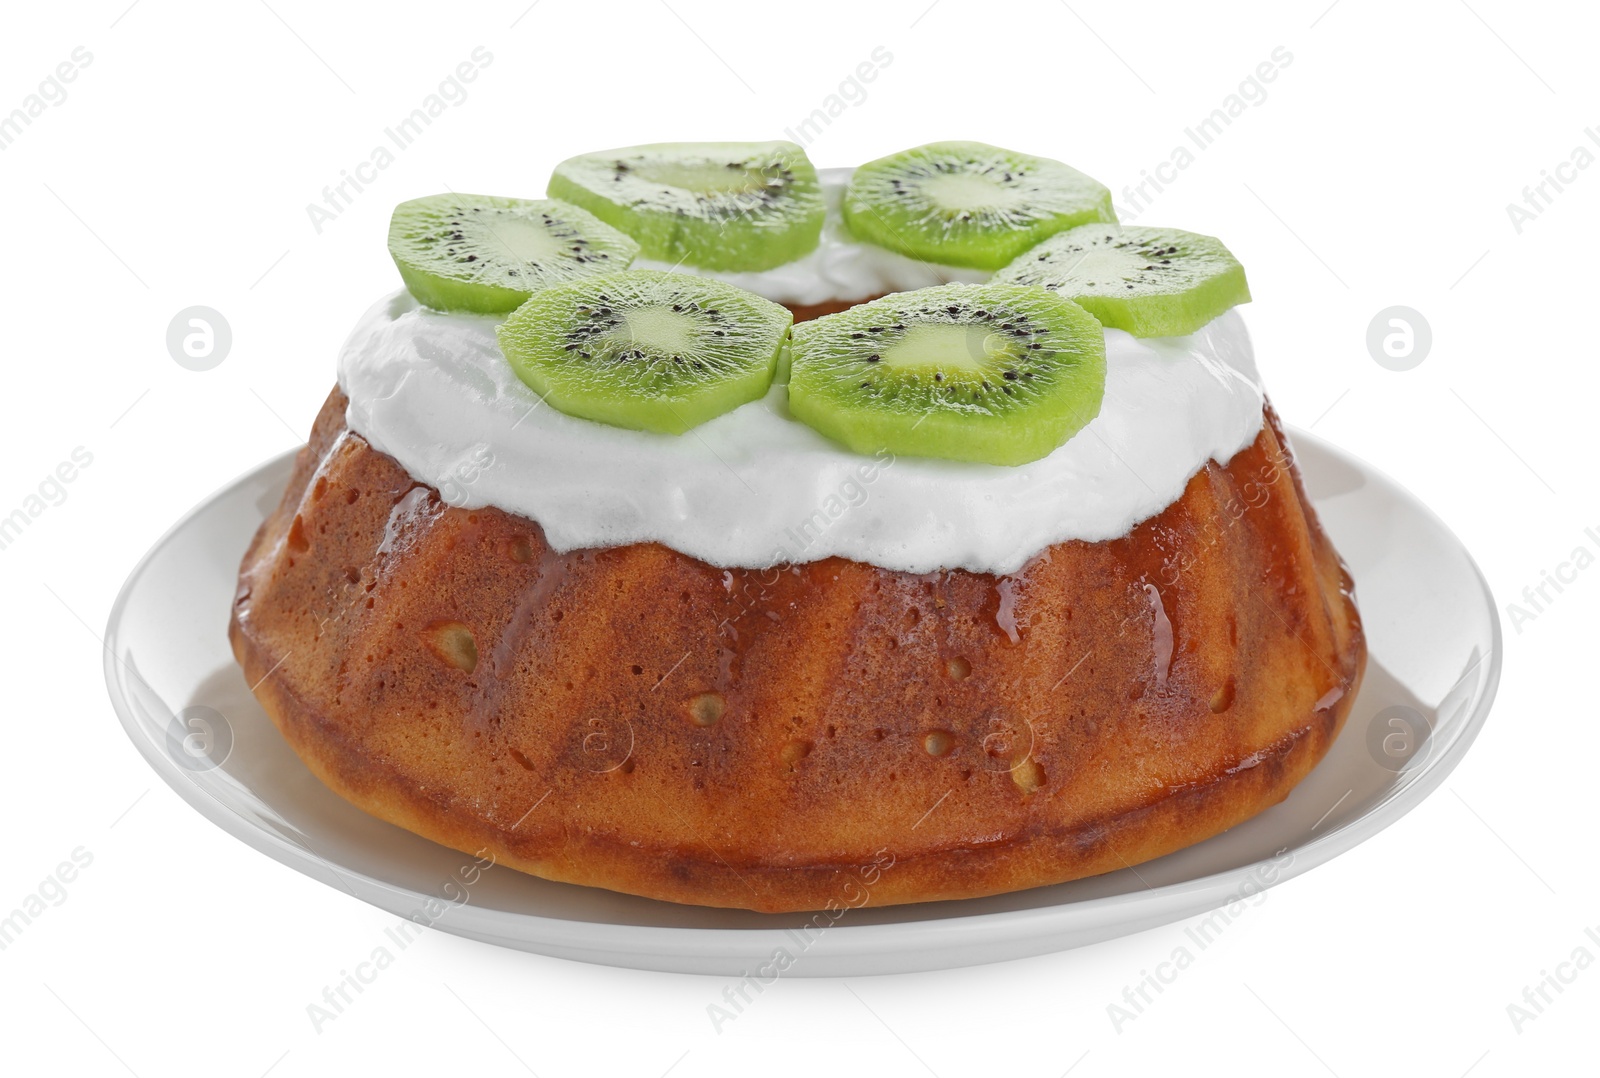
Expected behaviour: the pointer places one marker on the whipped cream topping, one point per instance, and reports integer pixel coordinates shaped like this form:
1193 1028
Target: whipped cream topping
840 268
755 487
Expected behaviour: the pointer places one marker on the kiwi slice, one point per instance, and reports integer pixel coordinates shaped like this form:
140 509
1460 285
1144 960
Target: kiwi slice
1151 282
716 205
646 349
967 203
488 254
1000 374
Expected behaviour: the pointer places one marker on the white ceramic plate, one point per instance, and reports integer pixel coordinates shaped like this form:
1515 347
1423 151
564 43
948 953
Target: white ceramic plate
1435 661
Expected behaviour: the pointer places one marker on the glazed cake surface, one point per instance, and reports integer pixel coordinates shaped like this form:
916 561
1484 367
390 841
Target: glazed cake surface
636 719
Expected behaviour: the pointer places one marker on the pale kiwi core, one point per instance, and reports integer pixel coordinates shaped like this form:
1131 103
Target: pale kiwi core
658 329
707 178
515 239
942 348
1102 265
971 191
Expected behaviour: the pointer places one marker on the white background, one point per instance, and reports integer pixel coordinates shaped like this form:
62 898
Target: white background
1376 172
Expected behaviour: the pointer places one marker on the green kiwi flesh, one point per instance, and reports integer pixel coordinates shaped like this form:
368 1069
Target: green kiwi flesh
968 203
729 206
997 374
1150 282
488 254
646 349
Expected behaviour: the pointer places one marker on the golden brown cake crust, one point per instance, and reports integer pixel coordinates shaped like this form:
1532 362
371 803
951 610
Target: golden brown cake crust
802 737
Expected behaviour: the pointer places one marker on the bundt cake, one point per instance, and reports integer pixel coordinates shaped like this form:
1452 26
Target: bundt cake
812 652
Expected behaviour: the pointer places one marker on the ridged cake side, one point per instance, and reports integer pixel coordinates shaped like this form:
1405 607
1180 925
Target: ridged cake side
802 737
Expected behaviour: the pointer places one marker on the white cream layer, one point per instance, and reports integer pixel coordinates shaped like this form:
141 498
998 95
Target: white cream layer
755 487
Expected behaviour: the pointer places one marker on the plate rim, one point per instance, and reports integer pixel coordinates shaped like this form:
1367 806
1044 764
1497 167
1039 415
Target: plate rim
624 944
